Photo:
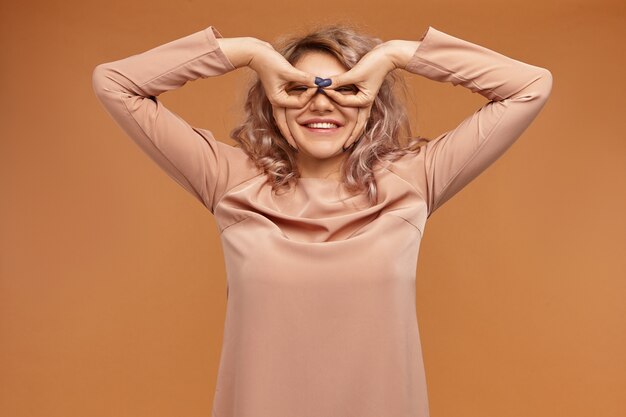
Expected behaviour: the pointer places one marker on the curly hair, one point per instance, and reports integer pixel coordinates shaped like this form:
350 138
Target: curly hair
387 127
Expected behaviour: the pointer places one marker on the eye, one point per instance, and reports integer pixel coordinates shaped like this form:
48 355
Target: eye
297 89
348 89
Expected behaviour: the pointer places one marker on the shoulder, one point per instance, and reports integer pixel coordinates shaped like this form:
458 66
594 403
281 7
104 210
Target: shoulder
407 161
410 167
234 162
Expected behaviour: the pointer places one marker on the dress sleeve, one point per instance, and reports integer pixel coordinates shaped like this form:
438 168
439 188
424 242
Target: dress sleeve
128 90
517 92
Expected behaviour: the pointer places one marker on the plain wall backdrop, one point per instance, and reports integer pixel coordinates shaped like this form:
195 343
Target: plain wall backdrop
112 281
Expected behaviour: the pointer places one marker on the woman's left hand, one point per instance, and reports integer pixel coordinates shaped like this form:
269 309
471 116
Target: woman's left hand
367 76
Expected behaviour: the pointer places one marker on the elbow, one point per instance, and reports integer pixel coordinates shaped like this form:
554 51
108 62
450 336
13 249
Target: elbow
101 79
539 88
544 84
98 77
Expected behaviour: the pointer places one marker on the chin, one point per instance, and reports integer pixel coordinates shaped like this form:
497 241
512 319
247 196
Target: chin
321 150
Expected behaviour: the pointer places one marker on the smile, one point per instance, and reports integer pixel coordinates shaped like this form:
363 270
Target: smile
322 128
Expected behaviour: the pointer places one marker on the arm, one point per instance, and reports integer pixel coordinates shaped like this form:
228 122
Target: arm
518 91
128 90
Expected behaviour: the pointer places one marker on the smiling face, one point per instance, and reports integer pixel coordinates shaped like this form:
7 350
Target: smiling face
320 146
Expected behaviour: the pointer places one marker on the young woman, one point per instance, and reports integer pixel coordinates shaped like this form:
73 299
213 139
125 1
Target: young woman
321 206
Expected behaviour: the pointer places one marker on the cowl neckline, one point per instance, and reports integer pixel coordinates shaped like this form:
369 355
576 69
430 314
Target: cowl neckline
315 210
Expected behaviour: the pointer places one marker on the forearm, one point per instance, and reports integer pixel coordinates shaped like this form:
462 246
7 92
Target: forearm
162 68
446 58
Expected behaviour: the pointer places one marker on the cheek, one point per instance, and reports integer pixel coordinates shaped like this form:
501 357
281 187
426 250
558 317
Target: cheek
291 116
352 115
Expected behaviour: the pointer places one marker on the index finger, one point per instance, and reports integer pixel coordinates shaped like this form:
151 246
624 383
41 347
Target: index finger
295 102
358 100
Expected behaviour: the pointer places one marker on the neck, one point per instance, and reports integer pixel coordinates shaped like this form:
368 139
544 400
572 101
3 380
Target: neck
320 168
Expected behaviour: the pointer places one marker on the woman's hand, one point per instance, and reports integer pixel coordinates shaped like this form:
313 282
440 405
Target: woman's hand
367 76
276 73
370 72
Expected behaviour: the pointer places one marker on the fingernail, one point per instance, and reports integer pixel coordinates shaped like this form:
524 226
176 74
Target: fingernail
322 82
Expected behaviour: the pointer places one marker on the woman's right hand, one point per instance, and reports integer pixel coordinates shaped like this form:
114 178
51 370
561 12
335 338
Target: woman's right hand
276 75
274 71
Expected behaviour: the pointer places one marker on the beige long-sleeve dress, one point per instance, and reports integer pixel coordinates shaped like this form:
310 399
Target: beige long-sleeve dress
321 318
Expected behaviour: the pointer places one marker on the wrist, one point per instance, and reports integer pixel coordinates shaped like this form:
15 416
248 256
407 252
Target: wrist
240 50
401 51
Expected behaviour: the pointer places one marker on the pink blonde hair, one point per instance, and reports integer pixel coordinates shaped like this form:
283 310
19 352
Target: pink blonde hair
387 128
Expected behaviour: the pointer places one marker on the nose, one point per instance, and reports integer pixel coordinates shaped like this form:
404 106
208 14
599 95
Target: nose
321 101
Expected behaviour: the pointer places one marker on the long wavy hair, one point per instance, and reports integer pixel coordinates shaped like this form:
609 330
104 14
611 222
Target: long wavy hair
387 134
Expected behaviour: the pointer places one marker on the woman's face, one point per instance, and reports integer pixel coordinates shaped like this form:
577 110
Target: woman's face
321 142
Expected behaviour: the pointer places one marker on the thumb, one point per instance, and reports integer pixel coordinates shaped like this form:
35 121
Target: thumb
305 78
345 78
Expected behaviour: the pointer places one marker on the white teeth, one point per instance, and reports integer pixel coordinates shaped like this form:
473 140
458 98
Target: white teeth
322 125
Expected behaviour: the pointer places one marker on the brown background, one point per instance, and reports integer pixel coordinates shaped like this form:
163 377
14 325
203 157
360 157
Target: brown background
112 290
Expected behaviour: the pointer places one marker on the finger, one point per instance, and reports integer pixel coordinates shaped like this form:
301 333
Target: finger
359 127
281 121
353 100
305 97
345 78
303 77
337 97
294 101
